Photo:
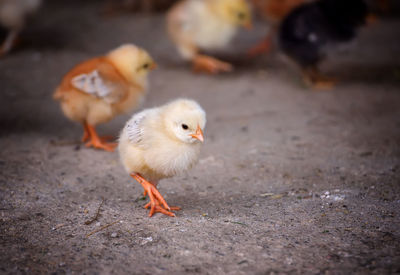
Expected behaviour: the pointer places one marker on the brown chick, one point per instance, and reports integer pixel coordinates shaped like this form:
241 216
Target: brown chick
13 15
101 88
274 11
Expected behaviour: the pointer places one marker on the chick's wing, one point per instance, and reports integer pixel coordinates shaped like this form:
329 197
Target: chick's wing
102 82
136 128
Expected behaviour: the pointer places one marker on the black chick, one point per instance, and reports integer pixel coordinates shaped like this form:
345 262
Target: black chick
310 27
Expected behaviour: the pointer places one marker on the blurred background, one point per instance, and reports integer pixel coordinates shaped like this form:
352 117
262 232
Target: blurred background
289 180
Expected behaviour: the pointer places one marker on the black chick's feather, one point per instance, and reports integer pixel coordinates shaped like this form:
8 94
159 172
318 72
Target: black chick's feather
310 27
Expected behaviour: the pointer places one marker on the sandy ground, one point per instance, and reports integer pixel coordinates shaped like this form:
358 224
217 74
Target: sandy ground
289 180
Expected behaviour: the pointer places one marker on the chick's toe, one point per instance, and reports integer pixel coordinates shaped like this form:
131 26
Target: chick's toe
208 64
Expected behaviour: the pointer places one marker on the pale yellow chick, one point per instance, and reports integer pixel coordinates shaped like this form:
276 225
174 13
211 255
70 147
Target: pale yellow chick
13 16
97 90
195 25
162 142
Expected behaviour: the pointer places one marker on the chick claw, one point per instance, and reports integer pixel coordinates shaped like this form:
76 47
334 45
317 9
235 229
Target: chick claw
86 137
157 208
314 79
157 202
173 208
96 141
100 144
324 85
208 64
321 83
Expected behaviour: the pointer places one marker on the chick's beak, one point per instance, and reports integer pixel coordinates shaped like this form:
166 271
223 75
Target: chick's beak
248 25
153 66
199 134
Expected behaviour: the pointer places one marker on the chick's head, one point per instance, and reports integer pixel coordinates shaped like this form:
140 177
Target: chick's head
184 120
235 11
133 62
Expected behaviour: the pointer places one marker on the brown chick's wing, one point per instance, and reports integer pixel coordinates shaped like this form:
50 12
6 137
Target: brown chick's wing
97 85
97 78
102 83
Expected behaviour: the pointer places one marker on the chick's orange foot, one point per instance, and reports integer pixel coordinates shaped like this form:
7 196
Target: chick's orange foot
95 141
208 64
99 144
323 85
313 78
158 208
157 203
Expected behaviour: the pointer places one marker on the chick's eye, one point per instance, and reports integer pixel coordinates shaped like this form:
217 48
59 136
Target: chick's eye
146 66
185 127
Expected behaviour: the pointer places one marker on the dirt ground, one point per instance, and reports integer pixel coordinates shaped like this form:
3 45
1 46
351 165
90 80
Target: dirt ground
289 180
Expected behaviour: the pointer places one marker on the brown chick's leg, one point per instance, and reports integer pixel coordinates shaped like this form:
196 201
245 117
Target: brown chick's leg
157 202
97 142
208 64
313 78
86 134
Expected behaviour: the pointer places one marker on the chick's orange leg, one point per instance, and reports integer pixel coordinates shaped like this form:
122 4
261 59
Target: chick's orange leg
157 202
86 134
312 77
97 142
211 65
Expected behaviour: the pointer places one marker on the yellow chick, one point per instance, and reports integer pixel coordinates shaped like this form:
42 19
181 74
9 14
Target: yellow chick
100 88
195 25
13 15
162 142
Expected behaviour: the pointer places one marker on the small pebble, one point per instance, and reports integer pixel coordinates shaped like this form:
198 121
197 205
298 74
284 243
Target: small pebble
114 235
